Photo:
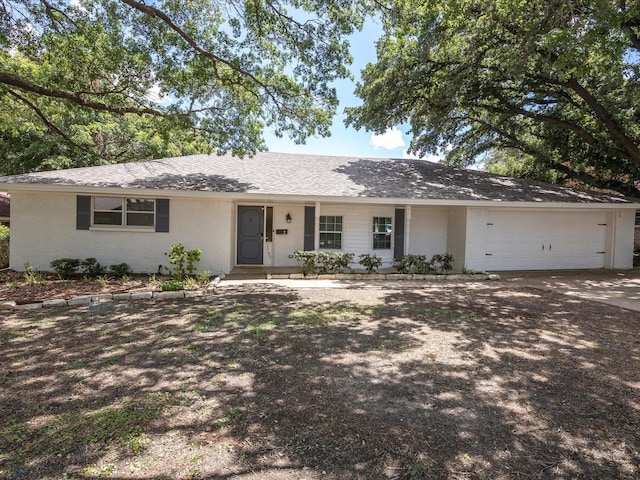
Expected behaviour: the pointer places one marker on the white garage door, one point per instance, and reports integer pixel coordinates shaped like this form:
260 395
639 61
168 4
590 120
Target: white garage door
550 240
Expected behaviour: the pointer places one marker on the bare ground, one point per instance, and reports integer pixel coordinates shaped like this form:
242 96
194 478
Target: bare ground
478 381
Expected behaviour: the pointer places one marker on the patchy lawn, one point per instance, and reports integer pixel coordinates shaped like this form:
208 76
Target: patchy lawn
469 382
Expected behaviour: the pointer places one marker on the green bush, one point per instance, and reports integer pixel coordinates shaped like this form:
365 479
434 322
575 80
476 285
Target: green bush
172 286
120 270
65 267
323 262
339 262
443 263
91 268
4 234
371 262
402 264
308 261
4 246
33 276
203 277
439 264
183 261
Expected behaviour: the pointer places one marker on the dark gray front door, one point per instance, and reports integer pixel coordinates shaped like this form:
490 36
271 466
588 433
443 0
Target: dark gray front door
250 235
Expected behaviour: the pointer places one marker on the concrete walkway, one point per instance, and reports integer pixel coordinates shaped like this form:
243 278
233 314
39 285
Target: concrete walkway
613 287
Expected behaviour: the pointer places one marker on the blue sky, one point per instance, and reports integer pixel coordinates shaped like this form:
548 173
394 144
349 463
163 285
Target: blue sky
347 141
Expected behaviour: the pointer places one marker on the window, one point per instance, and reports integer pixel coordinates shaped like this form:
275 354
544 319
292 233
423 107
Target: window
130 212
330 232
382 232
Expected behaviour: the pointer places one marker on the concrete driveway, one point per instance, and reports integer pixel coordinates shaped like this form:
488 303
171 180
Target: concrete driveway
614 287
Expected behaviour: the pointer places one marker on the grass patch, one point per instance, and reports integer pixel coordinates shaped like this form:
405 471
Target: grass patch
216 320
234 415
110 426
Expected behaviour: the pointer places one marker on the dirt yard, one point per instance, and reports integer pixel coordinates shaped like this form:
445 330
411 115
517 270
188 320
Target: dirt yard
480 381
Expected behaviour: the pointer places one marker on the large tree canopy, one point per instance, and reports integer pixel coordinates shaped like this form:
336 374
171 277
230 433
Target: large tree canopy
551 83
91 81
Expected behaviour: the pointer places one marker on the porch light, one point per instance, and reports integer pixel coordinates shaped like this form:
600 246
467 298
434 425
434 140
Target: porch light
288 217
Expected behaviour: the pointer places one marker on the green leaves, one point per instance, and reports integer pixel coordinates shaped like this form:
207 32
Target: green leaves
205 73
556 81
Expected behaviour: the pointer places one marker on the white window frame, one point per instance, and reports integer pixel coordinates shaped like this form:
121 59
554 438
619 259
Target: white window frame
124 214
375 233
330 232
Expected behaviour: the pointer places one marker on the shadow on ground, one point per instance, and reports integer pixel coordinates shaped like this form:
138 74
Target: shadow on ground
263 382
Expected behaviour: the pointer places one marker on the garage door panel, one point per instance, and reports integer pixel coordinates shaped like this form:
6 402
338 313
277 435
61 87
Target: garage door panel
550 240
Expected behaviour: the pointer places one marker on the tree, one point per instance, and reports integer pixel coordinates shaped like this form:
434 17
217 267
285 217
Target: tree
97 81
555 80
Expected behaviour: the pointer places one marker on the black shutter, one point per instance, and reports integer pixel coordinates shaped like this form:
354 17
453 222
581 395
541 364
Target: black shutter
83 212
309 228
398 234
162 215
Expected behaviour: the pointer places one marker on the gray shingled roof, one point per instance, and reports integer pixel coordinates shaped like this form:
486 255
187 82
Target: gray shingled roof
313 175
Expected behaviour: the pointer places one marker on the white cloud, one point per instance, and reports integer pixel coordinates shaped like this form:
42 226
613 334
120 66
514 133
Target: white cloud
154 94
77 5
389 140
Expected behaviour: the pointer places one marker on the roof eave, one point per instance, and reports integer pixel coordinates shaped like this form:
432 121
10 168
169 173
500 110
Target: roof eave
308 199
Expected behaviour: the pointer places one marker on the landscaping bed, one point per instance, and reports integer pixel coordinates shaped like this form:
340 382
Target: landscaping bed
469 381
15 287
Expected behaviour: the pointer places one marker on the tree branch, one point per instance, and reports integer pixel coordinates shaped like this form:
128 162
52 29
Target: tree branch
159 14
625 188
50 125
74 97
631 149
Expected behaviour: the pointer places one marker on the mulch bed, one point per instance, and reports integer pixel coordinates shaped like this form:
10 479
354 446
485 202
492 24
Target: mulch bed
14 286
476 381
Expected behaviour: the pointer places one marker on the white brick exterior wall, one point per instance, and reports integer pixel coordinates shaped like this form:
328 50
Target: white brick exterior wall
43 229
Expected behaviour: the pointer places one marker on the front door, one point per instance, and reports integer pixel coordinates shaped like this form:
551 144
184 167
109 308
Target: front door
250 235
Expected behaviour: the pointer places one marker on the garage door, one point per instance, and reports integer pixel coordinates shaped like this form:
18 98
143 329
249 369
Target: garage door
538 241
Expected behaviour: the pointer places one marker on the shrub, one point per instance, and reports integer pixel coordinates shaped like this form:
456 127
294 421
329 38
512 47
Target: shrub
4 246
402 264
4 234
172 286
307 259
203 277
420 265
183 261
339 262
33 276
65 267
120 270
91 268
190 283
371 262
443 263
323 262
439 264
